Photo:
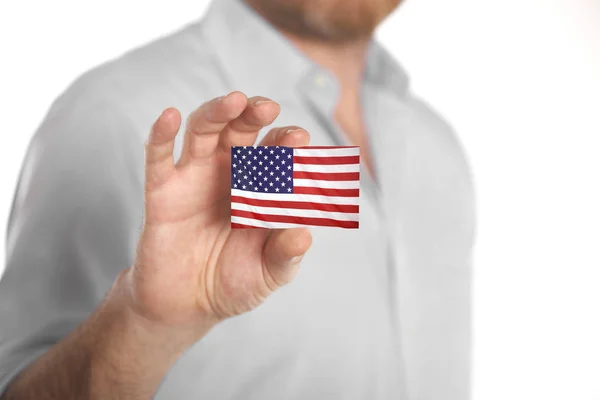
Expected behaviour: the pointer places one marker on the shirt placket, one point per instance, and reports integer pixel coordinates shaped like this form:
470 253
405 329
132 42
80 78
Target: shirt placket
320 90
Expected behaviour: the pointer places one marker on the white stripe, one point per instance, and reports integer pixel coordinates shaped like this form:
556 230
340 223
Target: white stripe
263 224
327 168
326 184
295 212
312 198
352 151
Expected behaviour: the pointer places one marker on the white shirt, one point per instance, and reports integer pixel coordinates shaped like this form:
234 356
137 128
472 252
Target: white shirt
382 312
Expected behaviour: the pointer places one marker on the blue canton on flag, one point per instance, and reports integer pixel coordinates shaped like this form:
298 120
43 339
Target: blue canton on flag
262 169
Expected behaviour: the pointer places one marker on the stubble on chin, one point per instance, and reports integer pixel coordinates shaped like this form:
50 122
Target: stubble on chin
326 20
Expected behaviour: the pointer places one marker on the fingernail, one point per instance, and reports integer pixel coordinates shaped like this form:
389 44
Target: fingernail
295 260
259 102
219 99
293 130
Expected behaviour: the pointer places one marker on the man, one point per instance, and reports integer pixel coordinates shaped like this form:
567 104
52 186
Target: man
124 279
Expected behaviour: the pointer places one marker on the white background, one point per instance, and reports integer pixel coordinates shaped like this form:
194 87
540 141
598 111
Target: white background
518 79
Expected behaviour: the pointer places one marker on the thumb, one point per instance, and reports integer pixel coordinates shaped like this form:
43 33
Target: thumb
282 254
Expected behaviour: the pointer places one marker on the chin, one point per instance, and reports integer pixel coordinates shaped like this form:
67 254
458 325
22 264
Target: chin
333 20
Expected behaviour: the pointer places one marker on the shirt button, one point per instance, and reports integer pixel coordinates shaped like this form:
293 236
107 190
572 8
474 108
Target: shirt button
320 81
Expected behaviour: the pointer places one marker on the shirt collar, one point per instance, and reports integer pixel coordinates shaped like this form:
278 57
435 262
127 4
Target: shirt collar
258 60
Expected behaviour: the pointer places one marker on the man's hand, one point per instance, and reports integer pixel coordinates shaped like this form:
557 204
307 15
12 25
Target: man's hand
190 265
191 270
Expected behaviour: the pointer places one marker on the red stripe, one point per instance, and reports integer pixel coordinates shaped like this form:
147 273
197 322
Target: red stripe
326 176
327 192
329 160
235 225
299 205
295 220
326 147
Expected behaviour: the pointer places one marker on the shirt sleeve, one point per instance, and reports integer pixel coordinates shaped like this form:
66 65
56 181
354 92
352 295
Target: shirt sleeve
73 226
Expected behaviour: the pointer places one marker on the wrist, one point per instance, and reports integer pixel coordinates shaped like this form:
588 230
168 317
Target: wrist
131 351
122 304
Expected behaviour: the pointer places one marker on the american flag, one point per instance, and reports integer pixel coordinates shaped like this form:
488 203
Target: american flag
284 187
